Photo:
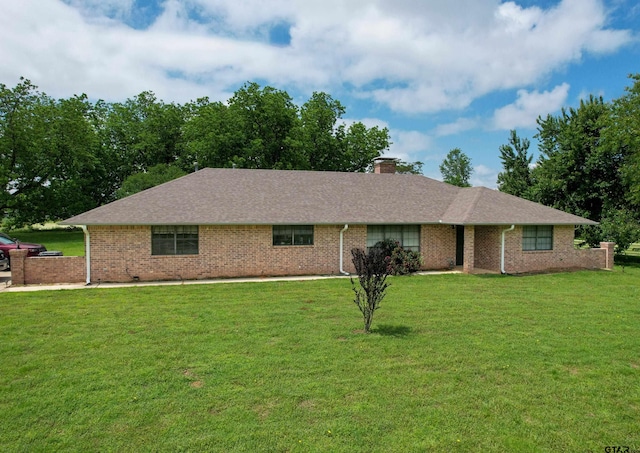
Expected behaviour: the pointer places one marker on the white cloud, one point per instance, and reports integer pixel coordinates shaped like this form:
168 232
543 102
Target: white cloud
458 126
484 176
411 55
529 105
409 145
406 145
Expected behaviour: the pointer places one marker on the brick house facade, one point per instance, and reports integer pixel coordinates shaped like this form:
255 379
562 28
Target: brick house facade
124 254
228 218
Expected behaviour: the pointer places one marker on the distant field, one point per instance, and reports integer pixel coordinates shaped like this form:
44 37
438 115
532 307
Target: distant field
544 363
634 250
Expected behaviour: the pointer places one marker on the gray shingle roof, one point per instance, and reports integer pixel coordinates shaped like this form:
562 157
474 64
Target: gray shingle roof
217 196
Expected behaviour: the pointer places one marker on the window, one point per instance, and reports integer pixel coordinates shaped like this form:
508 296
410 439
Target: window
174 240
293 235
407 235
537 237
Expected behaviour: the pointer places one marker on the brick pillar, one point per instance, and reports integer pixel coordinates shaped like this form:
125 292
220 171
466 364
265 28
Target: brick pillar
610 253
469 249
17 266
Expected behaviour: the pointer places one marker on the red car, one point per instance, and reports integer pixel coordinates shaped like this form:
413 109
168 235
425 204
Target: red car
7 243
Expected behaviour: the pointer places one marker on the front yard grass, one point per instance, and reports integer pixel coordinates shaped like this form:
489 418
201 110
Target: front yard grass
453 363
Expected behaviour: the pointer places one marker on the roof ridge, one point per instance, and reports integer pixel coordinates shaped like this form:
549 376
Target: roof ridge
473 202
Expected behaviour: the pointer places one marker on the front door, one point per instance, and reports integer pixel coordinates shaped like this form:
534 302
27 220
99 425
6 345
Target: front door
459 245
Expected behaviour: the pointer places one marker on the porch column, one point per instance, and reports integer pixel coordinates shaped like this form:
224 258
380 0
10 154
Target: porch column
469 249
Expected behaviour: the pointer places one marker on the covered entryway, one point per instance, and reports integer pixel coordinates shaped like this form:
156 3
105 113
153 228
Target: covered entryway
459 245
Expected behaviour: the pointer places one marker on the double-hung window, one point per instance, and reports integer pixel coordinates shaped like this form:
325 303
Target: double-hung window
174 240
293 235
408 236
537 237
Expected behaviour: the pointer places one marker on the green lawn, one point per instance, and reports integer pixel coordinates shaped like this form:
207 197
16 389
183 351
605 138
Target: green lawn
69 242
454 363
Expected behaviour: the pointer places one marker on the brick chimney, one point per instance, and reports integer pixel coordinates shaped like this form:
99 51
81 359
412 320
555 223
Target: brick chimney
384 165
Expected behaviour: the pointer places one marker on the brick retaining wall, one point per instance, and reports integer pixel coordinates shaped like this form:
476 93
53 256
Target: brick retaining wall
46 269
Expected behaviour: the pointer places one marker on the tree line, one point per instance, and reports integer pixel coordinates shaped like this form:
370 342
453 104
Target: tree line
61 157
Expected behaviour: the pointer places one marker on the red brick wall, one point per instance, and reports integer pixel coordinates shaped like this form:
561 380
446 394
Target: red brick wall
487 247
54 269
120 253
46 269
563 256
437 246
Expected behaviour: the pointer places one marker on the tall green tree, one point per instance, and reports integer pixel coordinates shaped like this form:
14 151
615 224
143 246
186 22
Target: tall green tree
266 118
621 138
44 145
212 137
74 184
25 119
575 172
456 168
142 132
320 143
515 178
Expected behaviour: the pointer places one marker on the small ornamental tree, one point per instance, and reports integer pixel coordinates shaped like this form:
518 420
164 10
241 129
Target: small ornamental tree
372 269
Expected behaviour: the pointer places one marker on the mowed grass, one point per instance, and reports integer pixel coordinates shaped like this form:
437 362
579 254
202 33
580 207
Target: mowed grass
454 363
69 242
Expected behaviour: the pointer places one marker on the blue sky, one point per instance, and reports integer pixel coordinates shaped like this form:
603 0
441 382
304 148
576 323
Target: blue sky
440 74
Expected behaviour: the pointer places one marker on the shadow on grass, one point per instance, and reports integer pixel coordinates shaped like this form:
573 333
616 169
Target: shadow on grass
627 261
392 331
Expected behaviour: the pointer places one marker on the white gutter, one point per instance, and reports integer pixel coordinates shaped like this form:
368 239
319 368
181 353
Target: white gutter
502 248
342 271
87 252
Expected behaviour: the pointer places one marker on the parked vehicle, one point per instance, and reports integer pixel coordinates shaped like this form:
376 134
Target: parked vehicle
4 262
8 243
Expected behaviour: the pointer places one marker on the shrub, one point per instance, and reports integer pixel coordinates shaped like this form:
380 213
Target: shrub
400 261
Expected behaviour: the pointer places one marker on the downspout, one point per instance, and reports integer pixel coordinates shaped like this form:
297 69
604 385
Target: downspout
502 248
342 271
87 252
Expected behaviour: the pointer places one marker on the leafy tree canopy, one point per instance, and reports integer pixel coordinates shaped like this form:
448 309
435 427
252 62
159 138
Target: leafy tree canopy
156 175
456 168
414 168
